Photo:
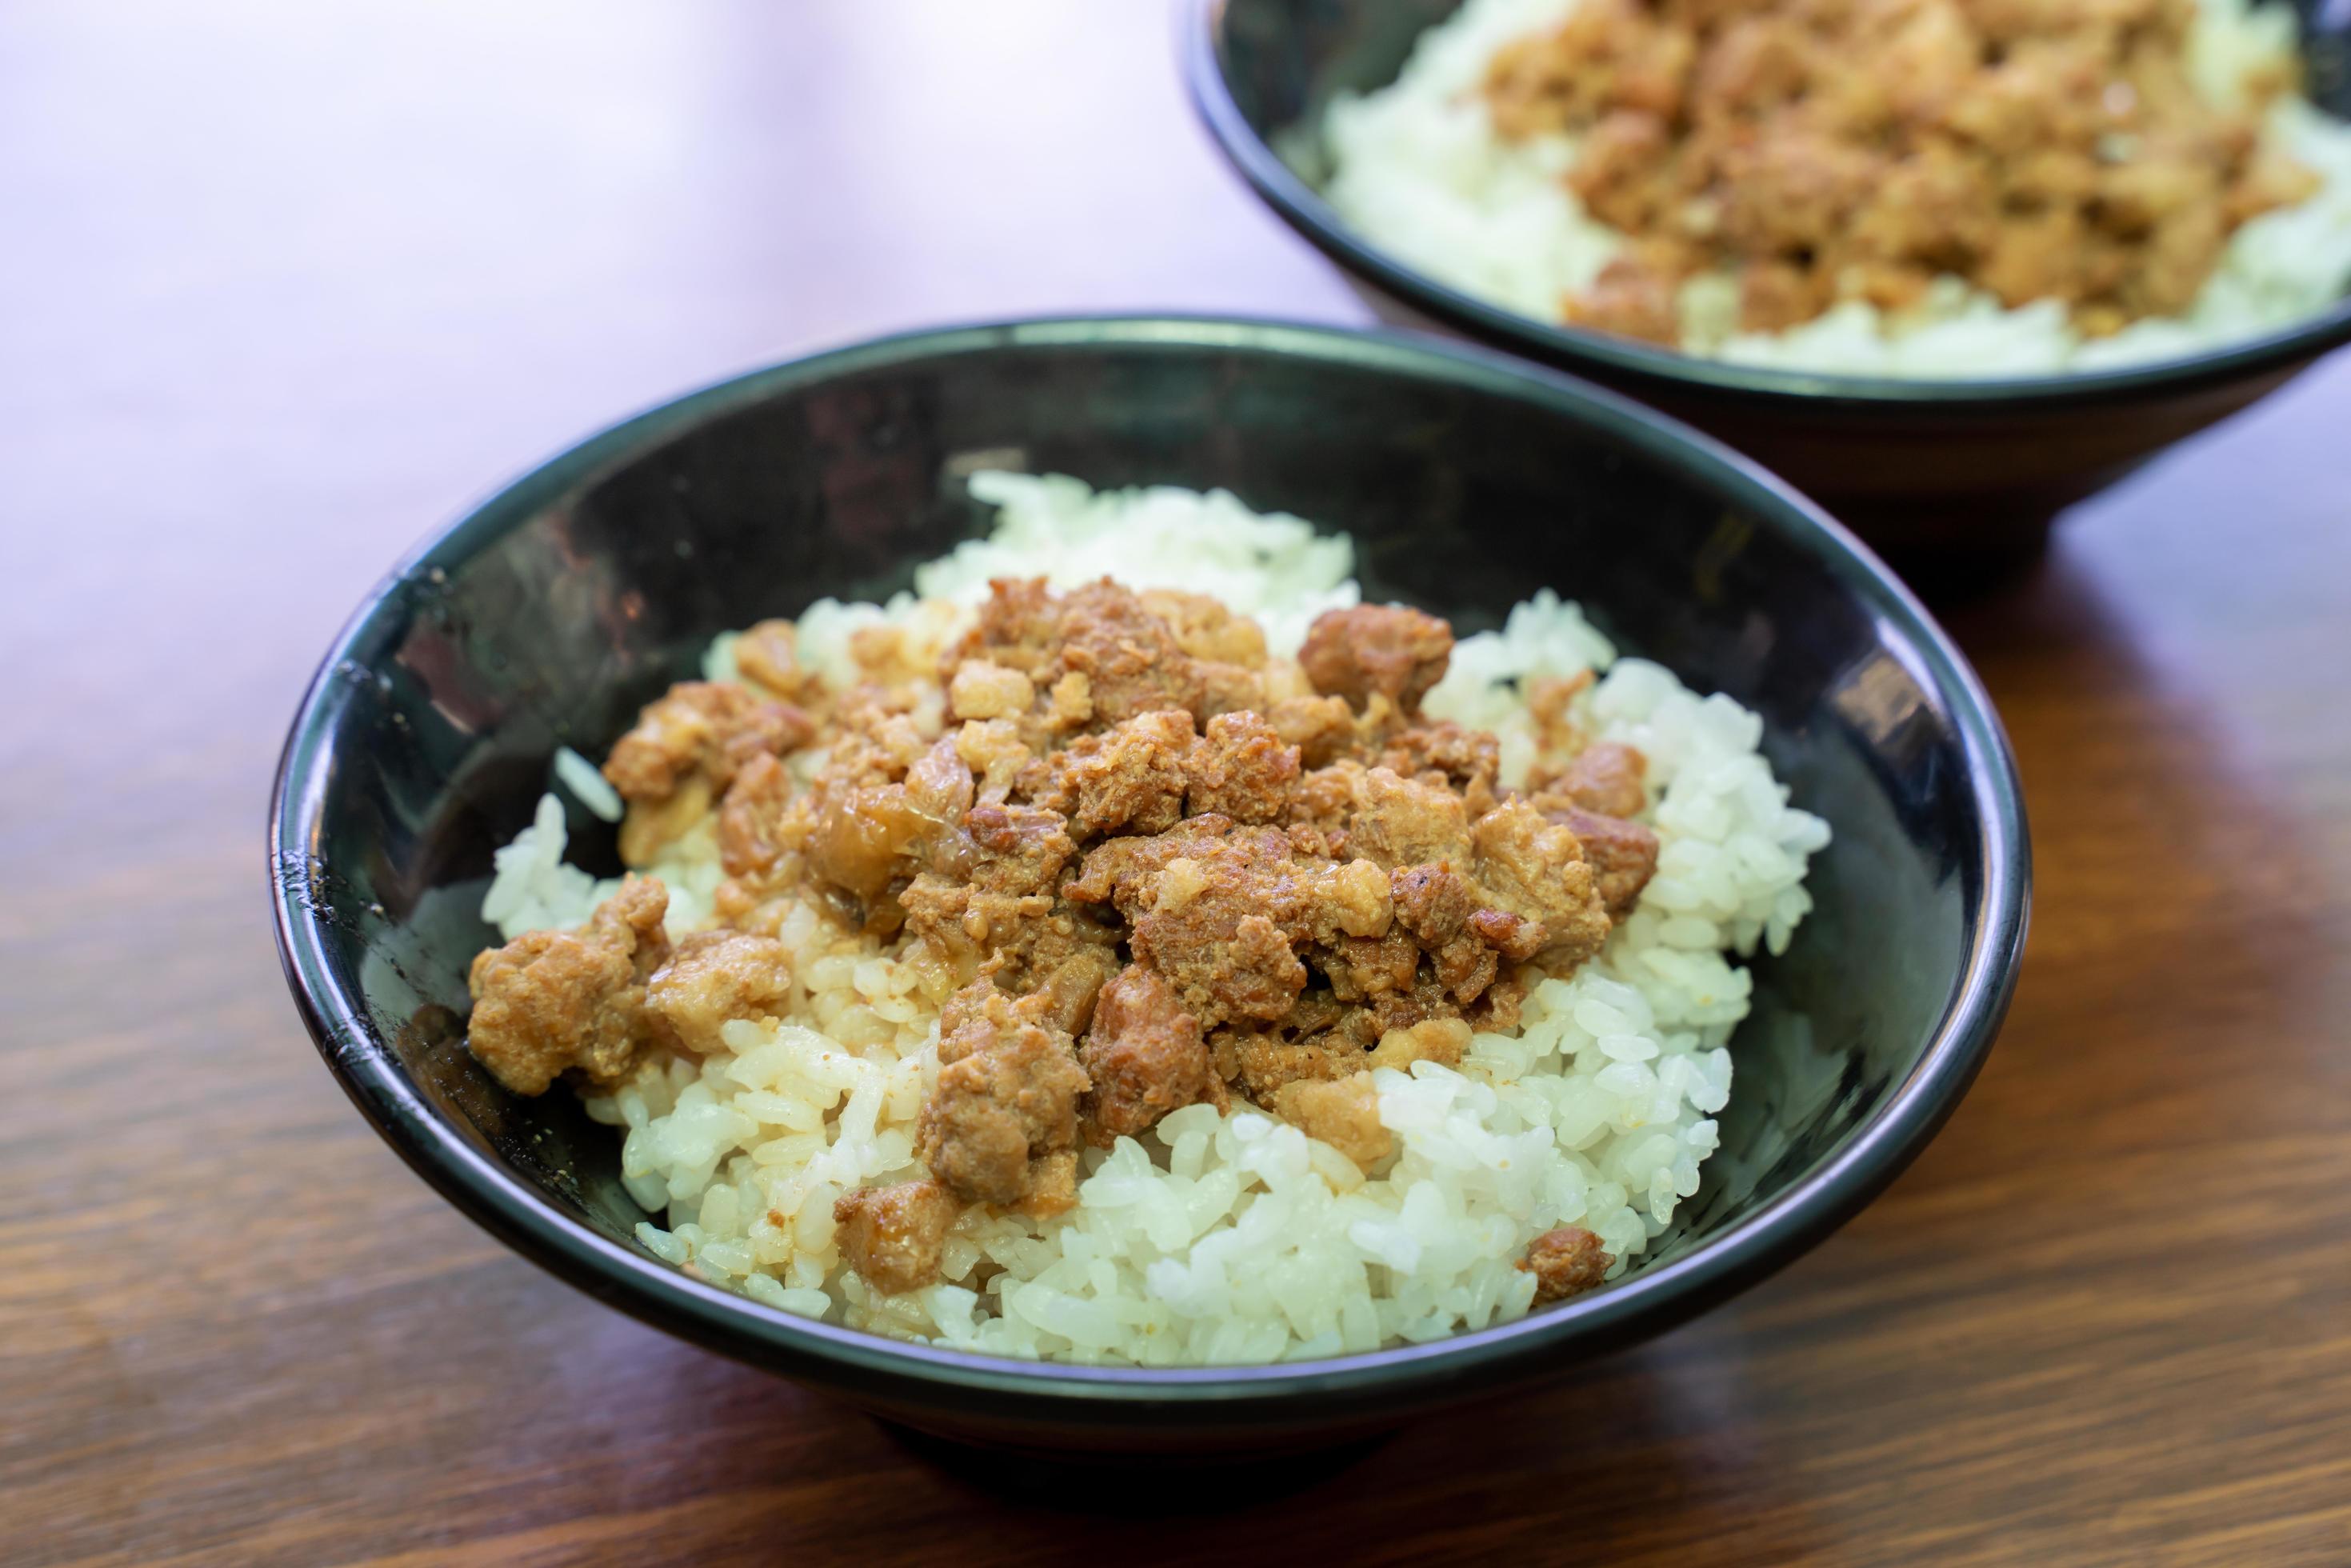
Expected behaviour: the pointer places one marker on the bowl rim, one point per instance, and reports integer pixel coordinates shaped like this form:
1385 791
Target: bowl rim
1871 1154
1200 45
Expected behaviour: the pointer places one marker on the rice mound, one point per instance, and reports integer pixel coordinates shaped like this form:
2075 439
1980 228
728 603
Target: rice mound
1227 1238
1419 170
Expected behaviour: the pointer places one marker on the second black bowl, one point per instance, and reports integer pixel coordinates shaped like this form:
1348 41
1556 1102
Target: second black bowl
1946 476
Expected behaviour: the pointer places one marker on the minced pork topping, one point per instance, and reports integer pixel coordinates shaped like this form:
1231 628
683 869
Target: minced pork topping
1830 150
1145 866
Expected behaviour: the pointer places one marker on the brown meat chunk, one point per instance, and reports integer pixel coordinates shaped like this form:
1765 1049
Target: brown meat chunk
1070 992
970 1018
1322 728
1262 974
1634 296
1204 628
1005 1102
1498 1010
632 918
1325 798
1608 52
553 1001
1408 1007
1754 65
1229 688
1400 821
969 927
1311 843
1605 777
755 821
1622 856
1388 649
1937 209
1104 655
1021 849
1535 869
999 904
2178 255
1550 702
1613 172
1566 1262
1146 1056
1514 937
893 1235
1362 968
711 728
1221 911
767 657
1467 760
1774 296
1240 770
1131 660
1466 939
1019 627
1433 905
1198 919
1791 190
1129 778
714 977
2035 257
1343 1112
1266 1063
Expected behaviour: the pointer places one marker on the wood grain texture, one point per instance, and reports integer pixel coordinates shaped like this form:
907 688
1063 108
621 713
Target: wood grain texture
285 285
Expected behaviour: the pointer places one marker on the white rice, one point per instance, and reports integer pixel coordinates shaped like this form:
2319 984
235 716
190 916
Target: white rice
1419 168
1225 1239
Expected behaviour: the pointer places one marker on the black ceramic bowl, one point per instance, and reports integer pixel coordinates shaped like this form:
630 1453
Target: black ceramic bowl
1943 476
547 616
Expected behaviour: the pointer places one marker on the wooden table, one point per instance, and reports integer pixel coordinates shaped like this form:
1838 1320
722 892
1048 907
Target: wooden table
284 285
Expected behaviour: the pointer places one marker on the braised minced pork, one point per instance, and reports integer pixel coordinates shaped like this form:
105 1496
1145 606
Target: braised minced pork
1151 866
1829 150
1565 1262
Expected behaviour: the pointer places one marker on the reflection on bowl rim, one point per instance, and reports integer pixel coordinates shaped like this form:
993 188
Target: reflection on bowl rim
1303 208
1870 1154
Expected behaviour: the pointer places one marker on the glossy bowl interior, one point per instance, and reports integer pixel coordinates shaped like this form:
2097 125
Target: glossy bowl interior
1933 471
550 614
